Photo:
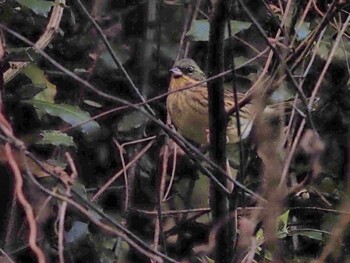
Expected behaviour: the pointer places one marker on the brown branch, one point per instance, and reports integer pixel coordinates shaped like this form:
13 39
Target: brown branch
242 102
43 41
313 96
113 178
115 231
298 56
184 31
5 256
126 181
339 229
194 17
28 209
172 176
281 61
63 208
115 58
187 147
161 181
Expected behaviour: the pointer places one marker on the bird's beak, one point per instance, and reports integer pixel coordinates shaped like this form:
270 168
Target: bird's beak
176 72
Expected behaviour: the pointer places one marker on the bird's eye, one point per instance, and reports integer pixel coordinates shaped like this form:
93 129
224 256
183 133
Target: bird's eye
190 69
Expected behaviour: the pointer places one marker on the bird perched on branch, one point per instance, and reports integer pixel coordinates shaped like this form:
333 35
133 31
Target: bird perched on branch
188 108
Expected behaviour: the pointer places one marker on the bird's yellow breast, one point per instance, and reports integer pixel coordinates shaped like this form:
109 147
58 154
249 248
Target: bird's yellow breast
188 111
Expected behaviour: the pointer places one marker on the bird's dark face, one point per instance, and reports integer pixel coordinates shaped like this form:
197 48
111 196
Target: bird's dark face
187 67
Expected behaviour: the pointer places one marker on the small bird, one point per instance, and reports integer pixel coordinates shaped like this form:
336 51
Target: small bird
188 109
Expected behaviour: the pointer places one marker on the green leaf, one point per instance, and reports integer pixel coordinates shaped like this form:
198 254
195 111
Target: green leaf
311 234
78 231
268 255
283 221
240 61
26 92
130 121
38 78
199 30
21 54
70 114
130 126
39 7
283 93
260 236
56 138
341 53
237 26
93 103
121 52
302 31
205 259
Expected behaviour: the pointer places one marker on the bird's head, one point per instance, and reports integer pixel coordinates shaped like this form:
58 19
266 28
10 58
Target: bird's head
187 67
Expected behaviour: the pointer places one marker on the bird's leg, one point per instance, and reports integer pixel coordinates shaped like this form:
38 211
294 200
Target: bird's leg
230 185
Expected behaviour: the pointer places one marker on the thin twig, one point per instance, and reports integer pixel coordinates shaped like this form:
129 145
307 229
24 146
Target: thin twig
241 103
192 151
172 176
158 226
113 178
44 40
282 62
117 230
124 169
184 31
294 145
63 209
114 57
6 255
314 92
28 209
194 17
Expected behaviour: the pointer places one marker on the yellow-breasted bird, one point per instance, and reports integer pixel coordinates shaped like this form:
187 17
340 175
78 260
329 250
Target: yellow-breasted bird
188 108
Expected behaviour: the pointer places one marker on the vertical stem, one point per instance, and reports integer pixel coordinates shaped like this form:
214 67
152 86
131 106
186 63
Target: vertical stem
218 123
146 53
